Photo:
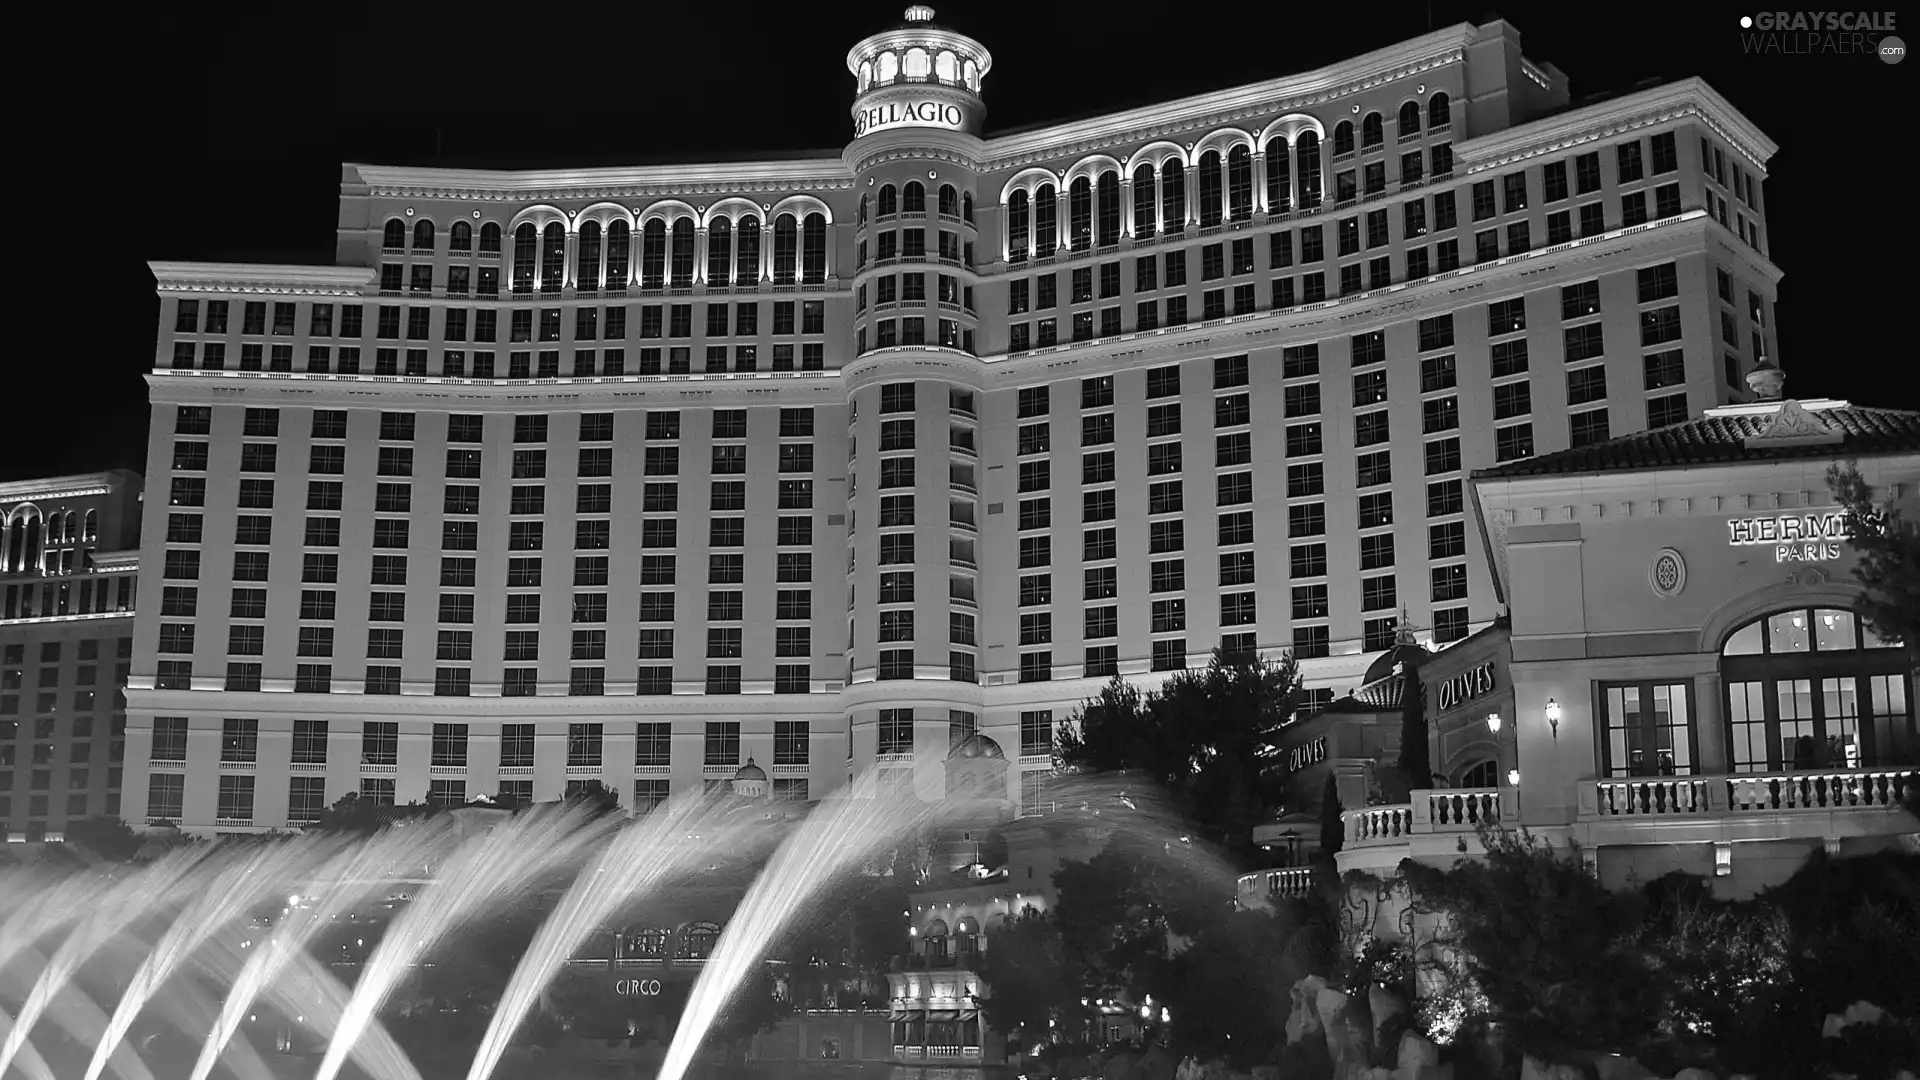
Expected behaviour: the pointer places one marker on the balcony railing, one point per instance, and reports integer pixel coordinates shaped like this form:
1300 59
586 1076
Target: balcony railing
1285 883
1751 793
1450 810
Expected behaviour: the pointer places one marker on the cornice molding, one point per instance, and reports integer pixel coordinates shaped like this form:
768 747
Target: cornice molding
766 707
624 182
1686 99
757 388
261 278
62 487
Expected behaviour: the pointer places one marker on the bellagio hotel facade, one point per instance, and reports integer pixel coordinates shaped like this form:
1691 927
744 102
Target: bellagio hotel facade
637 474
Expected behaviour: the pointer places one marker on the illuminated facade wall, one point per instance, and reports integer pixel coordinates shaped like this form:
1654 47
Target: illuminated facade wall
67 583
930 437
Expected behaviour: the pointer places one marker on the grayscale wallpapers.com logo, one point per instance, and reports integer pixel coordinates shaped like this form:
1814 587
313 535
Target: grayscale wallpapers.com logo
1822 33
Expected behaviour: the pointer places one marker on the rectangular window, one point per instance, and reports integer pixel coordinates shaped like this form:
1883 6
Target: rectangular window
1650 730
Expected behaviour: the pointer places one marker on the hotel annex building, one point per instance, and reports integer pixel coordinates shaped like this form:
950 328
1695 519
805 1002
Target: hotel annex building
638 474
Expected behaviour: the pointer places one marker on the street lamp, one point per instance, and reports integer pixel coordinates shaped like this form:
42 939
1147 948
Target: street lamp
1493 723
1553 716
1513 777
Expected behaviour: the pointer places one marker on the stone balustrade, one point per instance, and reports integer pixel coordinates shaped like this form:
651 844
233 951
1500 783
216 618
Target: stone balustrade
1441 810
1750 793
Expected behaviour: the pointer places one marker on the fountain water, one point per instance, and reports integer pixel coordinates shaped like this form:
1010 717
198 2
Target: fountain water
229 896
76 1013
347 878
665 845
30 1060
843 830
489 869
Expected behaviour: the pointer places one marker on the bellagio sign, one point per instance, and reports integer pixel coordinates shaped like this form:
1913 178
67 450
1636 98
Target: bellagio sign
897 114
1793 537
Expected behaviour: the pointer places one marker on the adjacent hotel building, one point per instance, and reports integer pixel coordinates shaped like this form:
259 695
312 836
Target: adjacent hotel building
638 474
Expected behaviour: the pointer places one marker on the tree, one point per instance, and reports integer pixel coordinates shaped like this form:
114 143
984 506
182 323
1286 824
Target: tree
1029 976
1333 834
1888 558
1230 994
364 817
108 837
1208 738
1416 755
596 796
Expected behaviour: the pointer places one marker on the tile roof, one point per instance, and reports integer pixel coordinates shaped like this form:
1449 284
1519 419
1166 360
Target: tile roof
1730 435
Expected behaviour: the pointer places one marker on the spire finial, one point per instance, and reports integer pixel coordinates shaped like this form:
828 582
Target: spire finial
919 13
1765 380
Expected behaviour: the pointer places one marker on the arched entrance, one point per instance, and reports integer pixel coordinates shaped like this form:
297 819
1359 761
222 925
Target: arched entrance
1813 688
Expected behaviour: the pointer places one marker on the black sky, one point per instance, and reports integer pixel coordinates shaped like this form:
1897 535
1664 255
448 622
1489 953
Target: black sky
214 135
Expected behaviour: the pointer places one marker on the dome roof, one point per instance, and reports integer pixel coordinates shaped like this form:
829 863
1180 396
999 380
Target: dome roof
750 771
1388 663
976 745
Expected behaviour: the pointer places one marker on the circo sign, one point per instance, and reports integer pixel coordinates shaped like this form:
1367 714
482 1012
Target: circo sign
637 988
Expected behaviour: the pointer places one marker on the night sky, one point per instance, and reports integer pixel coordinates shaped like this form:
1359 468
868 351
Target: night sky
218 136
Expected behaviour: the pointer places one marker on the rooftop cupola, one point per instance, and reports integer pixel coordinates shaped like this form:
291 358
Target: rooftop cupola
918 75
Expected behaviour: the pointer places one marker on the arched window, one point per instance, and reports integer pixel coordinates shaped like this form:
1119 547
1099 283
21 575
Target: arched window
861 219
1409 119
1108 196
889 201
1144 218
918 64
619 244
946 67
935 937
1343 138
586 273
1279 192
1306 153
93 527
1372 131
1173 196
394 236
1813 688
1080 214
1439 110
1209 174
949 201
1486 774
526 251
1017 226
423 235
1046 221
460 237
682 265
913 198
653 254
866 75
720 252
1240 183
966 207
888 71
553 257
698 939
813 249
786 245
490 238
747 252
644 944
970 74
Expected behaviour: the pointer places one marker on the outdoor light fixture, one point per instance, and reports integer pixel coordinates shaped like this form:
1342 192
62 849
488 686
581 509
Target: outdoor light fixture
1553 716
1493 722
1513 777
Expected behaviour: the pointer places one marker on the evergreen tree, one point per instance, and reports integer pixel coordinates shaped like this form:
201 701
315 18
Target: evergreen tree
1416 755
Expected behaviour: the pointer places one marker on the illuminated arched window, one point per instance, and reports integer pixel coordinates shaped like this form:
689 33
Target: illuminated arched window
1017 239
946 67
866 75
970 74
586 273
747 252
526 251
490 238
1372 131
861 219
949 201
1306 153
649 943
1439 110
1046 221
682 254
1080 214
619 249
1343 138
460 237
394 236
786 249
1485 774
813 249
1409 118
553 257
1107 220
889 68
1144 218
1814 688
1279 193
917 65
935 938
653 254
889 201
1173 196
1210 180
92 533
1240 183
698 939
913 198
720 252
423 235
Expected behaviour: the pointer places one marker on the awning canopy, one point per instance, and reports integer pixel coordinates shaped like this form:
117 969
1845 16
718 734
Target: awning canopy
898 1015
969 1014
942 1015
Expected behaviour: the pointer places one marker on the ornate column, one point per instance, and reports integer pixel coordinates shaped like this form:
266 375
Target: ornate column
1260 181
1126 207
571 270
699 253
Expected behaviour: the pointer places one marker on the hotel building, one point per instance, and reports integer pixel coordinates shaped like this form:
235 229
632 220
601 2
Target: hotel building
67 581
476 508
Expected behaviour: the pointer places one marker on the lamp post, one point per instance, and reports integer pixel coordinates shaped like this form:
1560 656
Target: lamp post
1553 716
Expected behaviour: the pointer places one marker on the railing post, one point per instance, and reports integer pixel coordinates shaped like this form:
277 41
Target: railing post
1719 795
1421 811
